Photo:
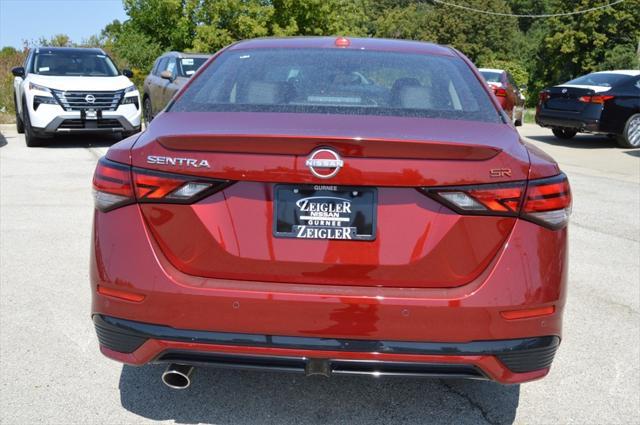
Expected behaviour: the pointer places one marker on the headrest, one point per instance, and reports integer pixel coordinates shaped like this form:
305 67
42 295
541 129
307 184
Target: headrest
415 98
266 93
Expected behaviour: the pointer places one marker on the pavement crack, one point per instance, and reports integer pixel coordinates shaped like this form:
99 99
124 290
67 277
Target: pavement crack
97 154
472 402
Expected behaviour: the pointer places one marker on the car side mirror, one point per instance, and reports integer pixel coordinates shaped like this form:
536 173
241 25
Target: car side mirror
127 73
18 71
167 75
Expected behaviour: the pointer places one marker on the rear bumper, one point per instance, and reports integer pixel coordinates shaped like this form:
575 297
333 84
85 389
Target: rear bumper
183 313
583 122
507 361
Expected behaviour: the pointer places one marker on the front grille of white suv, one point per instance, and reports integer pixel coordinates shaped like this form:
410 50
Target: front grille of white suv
83 100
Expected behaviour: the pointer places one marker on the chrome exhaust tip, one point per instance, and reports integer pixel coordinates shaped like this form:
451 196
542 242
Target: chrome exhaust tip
177 376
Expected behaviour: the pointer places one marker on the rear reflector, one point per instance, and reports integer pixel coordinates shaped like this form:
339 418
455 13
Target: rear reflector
117 293
531 312
116 185
545 201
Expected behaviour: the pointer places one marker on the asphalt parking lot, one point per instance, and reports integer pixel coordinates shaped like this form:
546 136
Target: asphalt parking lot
53 373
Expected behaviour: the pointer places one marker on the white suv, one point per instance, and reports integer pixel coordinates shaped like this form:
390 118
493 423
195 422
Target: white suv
62 90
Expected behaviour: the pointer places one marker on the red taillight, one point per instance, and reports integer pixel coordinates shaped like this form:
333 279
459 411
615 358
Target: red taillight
498 199
112 186
548 202
543 96
500 92
545 201
595 99
116 185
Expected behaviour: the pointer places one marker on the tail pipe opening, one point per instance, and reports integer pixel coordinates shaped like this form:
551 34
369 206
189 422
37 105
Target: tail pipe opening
177 376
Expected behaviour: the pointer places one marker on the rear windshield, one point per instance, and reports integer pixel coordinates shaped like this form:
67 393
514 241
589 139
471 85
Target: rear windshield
189 66
339 81
76 63
492 76
600 79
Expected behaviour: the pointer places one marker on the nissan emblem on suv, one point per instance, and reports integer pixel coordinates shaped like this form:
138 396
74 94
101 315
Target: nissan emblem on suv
324 163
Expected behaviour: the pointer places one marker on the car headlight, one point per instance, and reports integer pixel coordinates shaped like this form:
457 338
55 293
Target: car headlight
130 89
43 100
33 86
131 100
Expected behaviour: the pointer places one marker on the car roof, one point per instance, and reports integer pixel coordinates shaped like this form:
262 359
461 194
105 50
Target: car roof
355 43
632 72
187 55
500 71
69 49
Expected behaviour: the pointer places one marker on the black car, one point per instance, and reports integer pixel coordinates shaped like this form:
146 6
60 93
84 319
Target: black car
605 102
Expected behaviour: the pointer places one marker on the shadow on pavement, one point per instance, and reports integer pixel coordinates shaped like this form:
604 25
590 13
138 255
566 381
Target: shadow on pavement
3 140
581 141
79 141
635 152
242 397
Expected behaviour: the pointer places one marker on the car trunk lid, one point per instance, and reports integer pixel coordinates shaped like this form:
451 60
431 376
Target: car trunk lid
566 97
415 241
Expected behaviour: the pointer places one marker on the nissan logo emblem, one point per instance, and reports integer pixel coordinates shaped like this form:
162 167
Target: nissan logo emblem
324 163
90 98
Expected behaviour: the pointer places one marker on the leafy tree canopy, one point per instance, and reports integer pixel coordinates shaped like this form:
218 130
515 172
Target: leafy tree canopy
537 51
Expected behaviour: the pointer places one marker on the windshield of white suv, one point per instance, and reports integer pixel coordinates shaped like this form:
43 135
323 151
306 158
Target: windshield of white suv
73 63
336 81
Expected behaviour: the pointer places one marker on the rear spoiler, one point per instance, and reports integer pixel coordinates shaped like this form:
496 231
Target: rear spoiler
348 147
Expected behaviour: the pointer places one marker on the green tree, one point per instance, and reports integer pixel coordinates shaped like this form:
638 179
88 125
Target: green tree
224 21
321 17
622 56
171 24
477 35
578 44
58 40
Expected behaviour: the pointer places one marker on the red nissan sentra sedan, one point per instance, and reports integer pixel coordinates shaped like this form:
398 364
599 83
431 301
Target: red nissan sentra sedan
332 206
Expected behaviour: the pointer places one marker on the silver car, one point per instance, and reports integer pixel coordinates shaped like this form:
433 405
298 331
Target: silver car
170 72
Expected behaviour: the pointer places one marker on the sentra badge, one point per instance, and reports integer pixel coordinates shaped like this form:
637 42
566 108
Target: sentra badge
178 162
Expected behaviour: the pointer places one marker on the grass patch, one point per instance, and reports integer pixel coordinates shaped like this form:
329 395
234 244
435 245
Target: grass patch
530 116
6 118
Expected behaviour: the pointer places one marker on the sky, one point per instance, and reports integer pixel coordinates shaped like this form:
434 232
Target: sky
31 19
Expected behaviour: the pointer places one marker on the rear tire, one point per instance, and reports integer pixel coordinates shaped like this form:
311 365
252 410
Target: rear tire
147 111
564 133
19 123
630 137
30 137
